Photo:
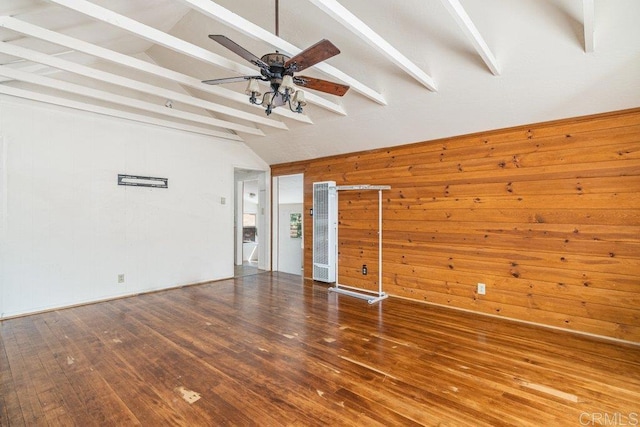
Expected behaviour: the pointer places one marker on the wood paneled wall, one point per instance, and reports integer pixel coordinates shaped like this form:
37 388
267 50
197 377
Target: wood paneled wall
547 216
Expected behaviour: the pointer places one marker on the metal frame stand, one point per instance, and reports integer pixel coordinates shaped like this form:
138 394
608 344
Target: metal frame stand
372 297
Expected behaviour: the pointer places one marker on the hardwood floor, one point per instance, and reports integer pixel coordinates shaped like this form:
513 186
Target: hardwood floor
246 269
267 350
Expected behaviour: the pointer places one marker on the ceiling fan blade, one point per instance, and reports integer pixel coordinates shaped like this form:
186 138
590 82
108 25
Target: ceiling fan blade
321 85
320 51
239 50
230 80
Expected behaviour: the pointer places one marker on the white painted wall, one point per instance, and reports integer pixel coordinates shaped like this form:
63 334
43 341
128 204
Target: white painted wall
67 228
289 249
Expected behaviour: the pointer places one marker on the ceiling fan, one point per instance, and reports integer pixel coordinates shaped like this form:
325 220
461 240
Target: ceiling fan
279 70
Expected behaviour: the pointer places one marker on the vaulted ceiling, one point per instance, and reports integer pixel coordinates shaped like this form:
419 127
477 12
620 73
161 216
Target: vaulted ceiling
418 69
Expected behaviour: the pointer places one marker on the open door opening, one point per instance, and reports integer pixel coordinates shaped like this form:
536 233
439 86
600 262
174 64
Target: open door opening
250 225
288 244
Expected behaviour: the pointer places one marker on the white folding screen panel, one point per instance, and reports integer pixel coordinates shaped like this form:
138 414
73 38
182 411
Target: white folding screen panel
325 225
371 296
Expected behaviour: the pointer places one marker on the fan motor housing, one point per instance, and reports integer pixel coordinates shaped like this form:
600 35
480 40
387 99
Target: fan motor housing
277 69
276 59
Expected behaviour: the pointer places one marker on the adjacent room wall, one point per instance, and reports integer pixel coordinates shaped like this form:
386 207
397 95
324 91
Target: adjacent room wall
68 230
289 248
547 216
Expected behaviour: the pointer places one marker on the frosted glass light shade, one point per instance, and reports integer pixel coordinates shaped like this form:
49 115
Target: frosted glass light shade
287 83
253 88
298 98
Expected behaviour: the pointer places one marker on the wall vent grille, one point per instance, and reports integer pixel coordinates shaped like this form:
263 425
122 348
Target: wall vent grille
325 222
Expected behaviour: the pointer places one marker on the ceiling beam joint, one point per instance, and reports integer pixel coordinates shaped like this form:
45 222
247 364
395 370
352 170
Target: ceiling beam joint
469 29
362 30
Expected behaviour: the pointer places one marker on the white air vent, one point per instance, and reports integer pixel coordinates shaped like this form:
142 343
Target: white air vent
325 223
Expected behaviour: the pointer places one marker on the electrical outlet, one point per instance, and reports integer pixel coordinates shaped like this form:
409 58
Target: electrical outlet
364 269
481 289
120 278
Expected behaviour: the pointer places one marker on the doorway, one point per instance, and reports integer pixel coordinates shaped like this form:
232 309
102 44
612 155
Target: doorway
250 231
288 232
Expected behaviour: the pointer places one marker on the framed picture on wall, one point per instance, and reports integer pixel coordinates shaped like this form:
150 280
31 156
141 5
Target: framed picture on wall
295 225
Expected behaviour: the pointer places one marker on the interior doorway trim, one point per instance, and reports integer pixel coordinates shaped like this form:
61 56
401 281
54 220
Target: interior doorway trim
288 200
262 215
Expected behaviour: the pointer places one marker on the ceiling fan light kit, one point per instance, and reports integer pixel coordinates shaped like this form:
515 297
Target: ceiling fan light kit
280 94
278 69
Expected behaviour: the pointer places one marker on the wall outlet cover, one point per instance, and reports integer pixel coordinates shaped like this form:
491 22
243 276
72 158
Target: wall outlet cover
481 289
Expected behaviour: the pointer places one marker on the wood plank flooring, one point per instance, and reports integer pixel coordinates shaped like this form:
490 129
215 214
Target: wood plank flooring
270 349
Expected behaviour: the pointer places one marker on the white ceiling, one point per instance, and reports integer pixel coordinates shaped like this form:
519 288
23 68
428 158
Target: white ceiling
542 60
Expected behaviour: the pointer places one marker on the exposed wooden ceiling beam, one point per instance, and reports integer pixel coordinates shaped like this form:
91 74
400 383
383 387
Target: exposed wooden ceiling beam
362 30
469 29
588 8
34 8
30 68
123 100
158 37
221 14
135 63
103 76
55 100
151 34
22 62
